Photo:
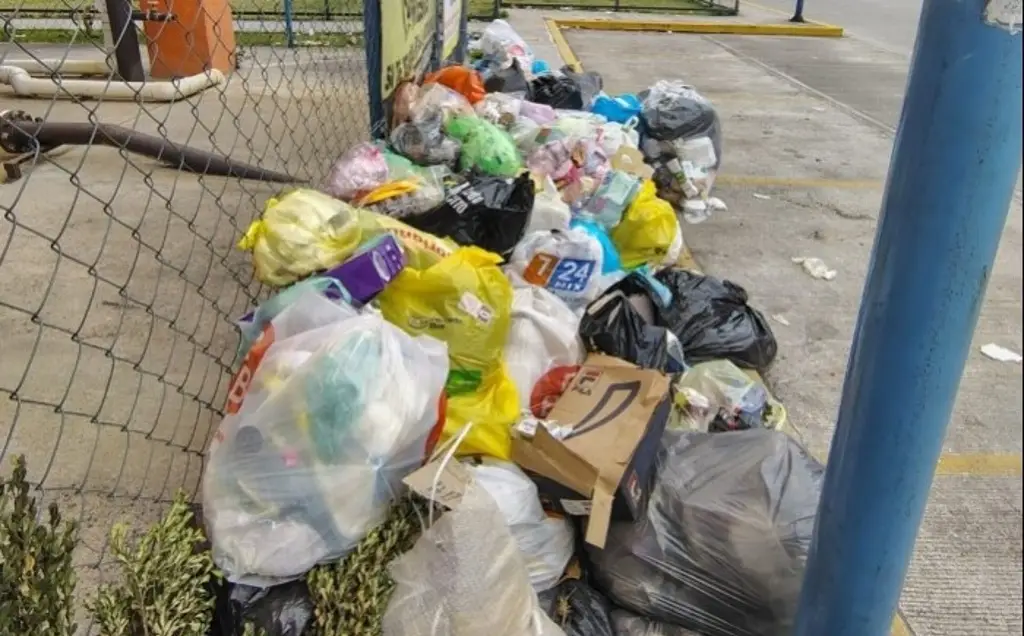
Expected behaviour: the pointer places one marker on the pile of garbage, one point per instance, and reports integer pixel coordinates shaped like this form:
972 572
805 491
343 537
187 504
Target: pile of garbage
487 392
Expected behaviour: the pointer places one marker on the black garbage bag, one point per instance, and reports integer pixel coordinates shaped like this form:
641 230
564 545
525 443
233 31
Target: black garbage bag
724 542
566 90
713 321
511 80
281 610
627 624
490 212
673 110
578 609
624 322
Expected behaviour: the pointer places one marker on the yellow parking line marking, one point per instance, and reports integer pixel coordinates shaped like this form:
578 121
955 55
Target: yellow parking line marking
980 465
562 45
805 29
785 182
899 626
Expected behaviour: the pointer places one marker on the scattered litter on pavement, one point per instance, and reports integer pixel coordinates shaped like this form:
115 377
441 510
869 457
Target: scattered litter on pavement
1001 354
815 267
782 320
763 197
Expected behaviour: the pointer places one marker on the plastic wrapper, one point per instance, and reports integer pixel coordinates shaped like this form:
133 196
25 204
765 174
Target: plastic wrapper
461 79
619 109
437 99
615 193
510 81
546 543
540 113
627 624
649 232
464 300
610 261
489 212
713 321
465 577
565 263
314 445
361 169
306 231
405 199
578 609
623 323
485 147
549 211
501 43
723 545
281 610
499 109
717 396
423 141
542 337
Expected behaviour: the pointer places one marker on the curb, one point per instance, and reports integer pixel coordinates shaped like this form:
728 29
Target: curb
707 27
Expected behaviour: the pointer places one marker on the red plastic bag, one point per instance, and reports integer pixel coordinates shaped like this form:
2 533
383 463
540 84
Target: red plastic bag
460 79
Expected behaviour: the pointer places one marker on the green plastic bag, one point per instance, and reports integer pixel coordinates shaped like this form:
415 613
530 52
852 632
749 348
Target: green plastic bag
485 147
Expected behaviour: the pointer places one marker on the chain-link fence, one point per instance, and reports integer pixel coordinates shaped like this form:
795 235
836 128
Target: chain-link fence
122 203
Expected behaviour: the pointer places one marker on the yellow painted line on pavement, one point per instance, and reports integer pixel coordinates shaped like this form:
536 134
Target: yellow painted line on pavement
784 182
980 465
708 27
899 626
562 45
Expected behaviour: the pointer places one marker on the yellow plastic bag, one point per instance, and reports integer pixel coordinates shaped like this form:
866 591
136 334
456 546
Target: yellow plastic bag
389 190
305 231
649 231
465 301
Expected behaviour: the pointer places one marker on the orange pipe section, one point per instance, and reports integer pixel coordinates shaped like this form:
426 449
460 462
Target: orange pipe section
201 37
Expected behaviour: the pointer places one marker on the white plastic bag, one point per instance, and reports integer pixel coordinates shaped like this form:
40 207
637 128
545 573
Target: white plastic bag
542 336
550 212
566 263
612 136
314 445
465 577
545 543
501 43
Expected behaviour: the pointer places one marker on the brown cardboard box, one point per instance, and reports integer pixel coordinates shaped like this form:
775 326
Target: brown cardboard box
604 467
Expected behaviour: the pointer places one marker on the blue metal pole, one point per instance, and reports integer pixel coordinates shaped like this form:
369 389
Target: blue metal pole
798 13
954 166
289 28
373 38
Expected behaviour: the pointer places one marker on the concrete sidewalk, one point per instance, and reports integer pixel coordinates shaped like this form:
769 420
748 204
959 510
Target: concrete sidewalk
808 132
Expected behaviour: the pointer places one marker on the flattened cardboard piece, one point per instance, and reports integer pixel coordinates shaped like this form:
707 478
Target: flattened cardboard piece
451 483
631 161
616 413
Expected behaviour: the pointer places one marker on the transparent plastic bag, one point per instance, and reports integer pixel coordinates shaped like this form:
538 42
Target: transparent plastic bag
614 136
612 197
673 110
717 396
361 169
546 543
423 141
649 232
465 577
485 147
404 198
627 624
436 100
501 43
566 263
723 545
524 133
542 336
499 109
314 445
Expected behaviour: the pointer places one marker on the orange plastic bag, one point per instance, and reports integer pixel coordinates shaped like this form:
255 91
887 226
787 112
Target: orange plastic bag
460 79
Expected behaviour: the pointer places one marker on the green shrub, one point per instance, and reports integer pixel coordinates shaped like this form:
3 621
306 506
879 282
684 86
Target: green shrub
37 579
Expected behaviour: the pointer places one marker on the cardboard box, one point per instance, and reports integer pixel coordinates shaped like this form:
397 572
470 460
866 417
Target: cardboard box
604 467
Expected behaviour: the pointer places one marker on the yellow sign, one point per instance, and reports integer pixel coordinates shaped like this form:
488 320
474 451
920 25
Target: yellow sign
452 19
407 38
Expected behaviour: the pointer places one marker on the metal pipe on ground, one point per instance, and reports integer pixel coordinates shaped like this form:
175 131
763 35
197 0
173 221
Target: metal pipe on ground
954 167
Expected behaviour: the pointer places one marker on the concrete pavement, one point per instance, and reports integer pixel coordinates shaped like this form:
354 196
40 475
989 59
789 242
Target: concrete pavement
808 132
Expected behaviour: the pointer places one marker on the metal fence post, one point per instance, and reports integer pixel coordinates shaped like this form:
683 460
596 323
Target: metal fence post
955 163
798 12
372 41
289 26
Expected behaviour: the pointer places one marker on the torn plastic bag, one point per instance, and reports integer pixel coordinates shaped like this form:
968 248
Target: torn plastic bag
489 212
627 624
423 141
724 542
542 337
361 169
485 147
566 263
712 320
314 445
578 609
620 109
461 79
546 543
649 232
281 610
501 43
549 211
623 323
717 396
510 81
465 577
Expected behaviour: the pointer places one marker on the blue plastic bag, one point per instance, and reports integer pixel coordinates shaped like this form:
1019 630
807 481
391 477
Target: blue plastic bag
540 67
610 257
618 109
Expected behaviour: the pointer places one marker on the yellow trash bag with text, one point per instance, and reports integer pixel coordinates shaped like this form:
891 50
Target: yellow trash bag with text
649 232
465 301
305 231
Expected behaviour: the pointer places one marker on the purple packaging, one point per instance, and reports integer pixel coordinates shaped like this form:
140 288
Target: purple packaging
367 272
